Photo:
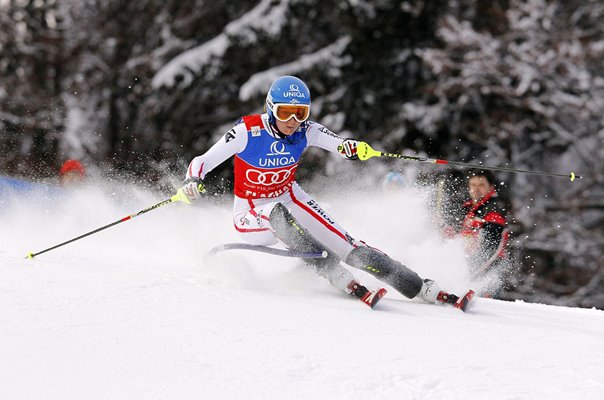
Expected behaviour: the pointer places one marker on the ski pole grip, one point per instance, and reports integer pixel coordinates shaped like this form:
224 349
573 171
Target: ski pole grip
365 152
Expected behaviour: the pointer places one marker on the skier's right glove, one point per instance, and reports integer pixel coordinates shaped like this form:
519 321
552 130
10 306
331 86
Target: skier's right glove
192 187
348 149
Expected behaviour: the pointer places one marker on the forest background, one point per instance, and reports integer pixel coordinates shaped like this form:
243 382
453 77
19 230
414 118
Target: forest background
138 88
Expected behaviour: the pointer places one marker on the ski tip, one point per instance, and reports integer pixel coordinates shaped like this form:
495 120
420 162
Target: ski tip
371 298
573 177
463 302
29 256
379 294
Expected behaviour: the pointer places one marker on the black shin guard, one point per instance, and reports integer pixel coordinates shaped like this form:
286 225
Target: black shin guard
298 238
386 269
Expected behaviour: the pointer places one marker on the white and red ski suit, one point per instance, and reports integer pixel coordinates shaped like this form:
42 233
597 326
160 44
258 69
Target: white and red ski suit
265 168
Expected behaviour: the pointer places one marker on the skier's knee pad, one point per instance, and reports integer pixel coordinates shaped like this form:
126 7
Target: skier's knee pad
385 268
285 226
296 237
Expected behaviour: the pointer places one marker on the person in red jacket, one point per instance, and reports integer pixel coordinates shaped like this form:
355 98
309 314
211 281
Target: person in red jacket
484 224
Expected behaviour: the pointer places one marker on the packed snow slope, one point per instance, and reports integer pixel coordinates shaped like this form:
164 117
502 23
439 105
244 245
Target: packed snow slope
139 312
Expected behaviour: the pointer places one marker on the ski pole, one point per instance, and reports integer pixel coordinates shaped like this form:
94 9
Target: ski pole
365 152
179 196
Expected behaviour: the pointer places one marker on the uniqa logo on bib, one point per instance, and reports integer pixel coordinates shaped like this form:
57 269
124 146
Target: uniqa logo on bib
277 149
294 91
276 162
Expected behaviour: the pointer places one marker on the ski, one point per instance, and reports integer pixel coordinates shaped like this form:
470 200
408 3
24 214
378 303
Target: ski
266 249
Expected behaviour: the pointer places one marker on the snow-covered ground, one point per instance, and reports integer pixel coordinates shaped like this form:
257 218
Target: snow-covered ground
138 312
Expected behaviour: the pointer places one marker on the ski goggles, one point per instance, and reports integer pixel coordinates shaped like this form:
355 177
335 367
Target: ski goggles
285 112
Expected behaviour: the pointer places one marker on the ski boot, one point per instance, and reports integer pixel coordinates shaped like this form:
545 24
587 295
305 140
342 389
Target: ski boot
432 293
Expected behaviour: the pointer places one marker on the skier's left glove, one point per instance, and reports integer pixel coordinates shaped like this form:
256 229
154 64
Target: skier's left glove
348 149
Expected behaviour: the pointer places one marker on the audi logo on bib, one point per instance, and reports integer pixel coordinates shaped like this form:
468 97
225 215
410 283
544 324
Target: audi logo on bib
268 178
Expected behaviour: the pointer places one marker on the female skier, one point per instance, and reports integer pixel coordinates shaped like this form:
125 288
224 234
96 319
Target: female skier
269 204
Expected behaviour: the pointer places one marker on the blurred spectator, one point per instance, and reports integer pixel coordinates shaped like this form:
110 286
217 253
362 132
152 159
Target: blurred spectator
72 173
393 181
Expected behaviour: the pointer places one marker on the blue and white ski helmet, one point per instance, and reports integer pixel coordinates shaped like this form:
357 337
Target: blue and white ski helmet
286 90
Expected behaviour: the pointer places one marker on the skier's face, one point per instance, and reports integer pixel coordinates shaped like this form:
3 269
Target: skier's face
478 187
288 127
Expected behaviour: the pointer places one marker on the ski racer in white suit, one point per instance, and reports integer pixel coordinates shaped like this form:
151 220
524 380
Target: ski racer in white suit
270 205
